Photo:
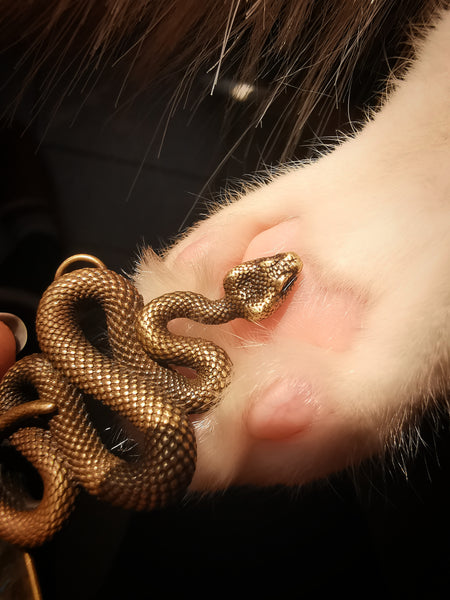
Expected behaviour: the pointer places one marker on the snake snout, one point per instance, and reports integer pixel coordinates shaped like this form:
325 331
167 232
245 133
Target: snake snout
256 288
285 268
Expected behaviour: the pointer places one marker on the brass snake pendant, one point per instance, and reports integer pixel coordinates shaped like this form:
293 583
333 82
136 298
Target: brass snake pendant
135 380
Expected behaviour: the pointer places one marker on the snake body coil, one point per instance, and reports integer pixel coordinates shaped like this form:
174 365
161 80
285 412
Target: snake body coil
134 380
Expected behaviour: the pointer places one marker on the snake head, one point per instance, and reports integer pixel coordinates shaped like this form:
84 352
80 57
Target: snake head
256 288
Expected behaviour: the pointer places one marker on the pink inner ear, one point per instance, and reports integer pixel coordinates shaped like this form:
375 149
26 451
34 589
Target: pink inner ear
284 409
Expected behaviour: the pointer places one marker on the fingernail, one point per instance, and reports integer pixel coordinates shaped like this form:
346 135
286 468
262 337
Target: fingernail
18 329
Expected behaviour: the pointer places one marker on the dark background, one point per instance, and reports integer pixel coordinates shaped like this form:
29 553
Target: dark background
85 177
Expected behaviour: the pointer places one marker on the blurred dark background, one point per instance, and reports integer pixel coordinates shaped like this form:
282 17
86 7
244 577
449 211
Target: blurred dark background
79 175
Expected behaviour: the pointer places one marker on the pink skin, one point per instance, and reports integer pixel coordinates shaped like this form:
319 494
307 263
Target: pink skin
363 339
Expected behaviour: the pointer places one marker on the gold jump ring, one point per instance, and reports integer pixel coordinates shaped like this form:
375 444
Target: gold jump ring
87 258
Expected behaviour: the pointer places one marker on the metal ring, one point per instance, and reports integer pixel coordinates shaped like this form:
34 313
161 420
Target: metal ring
78 258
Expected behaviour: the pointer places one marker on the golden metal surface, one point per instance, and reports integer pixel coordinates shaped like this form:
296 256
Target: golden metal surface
134 380
18 579
32 577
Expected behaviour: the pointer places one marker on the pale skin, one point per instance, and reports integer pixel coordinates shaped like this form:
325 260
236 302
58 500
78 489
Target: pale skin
363 341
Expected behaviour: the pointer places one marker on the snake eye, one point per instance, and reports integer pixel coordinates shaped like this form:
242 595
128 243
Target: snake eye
292 279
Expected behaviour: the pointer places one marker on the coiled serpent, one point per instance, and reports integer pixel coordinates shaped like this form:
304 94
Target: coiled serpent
136 381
